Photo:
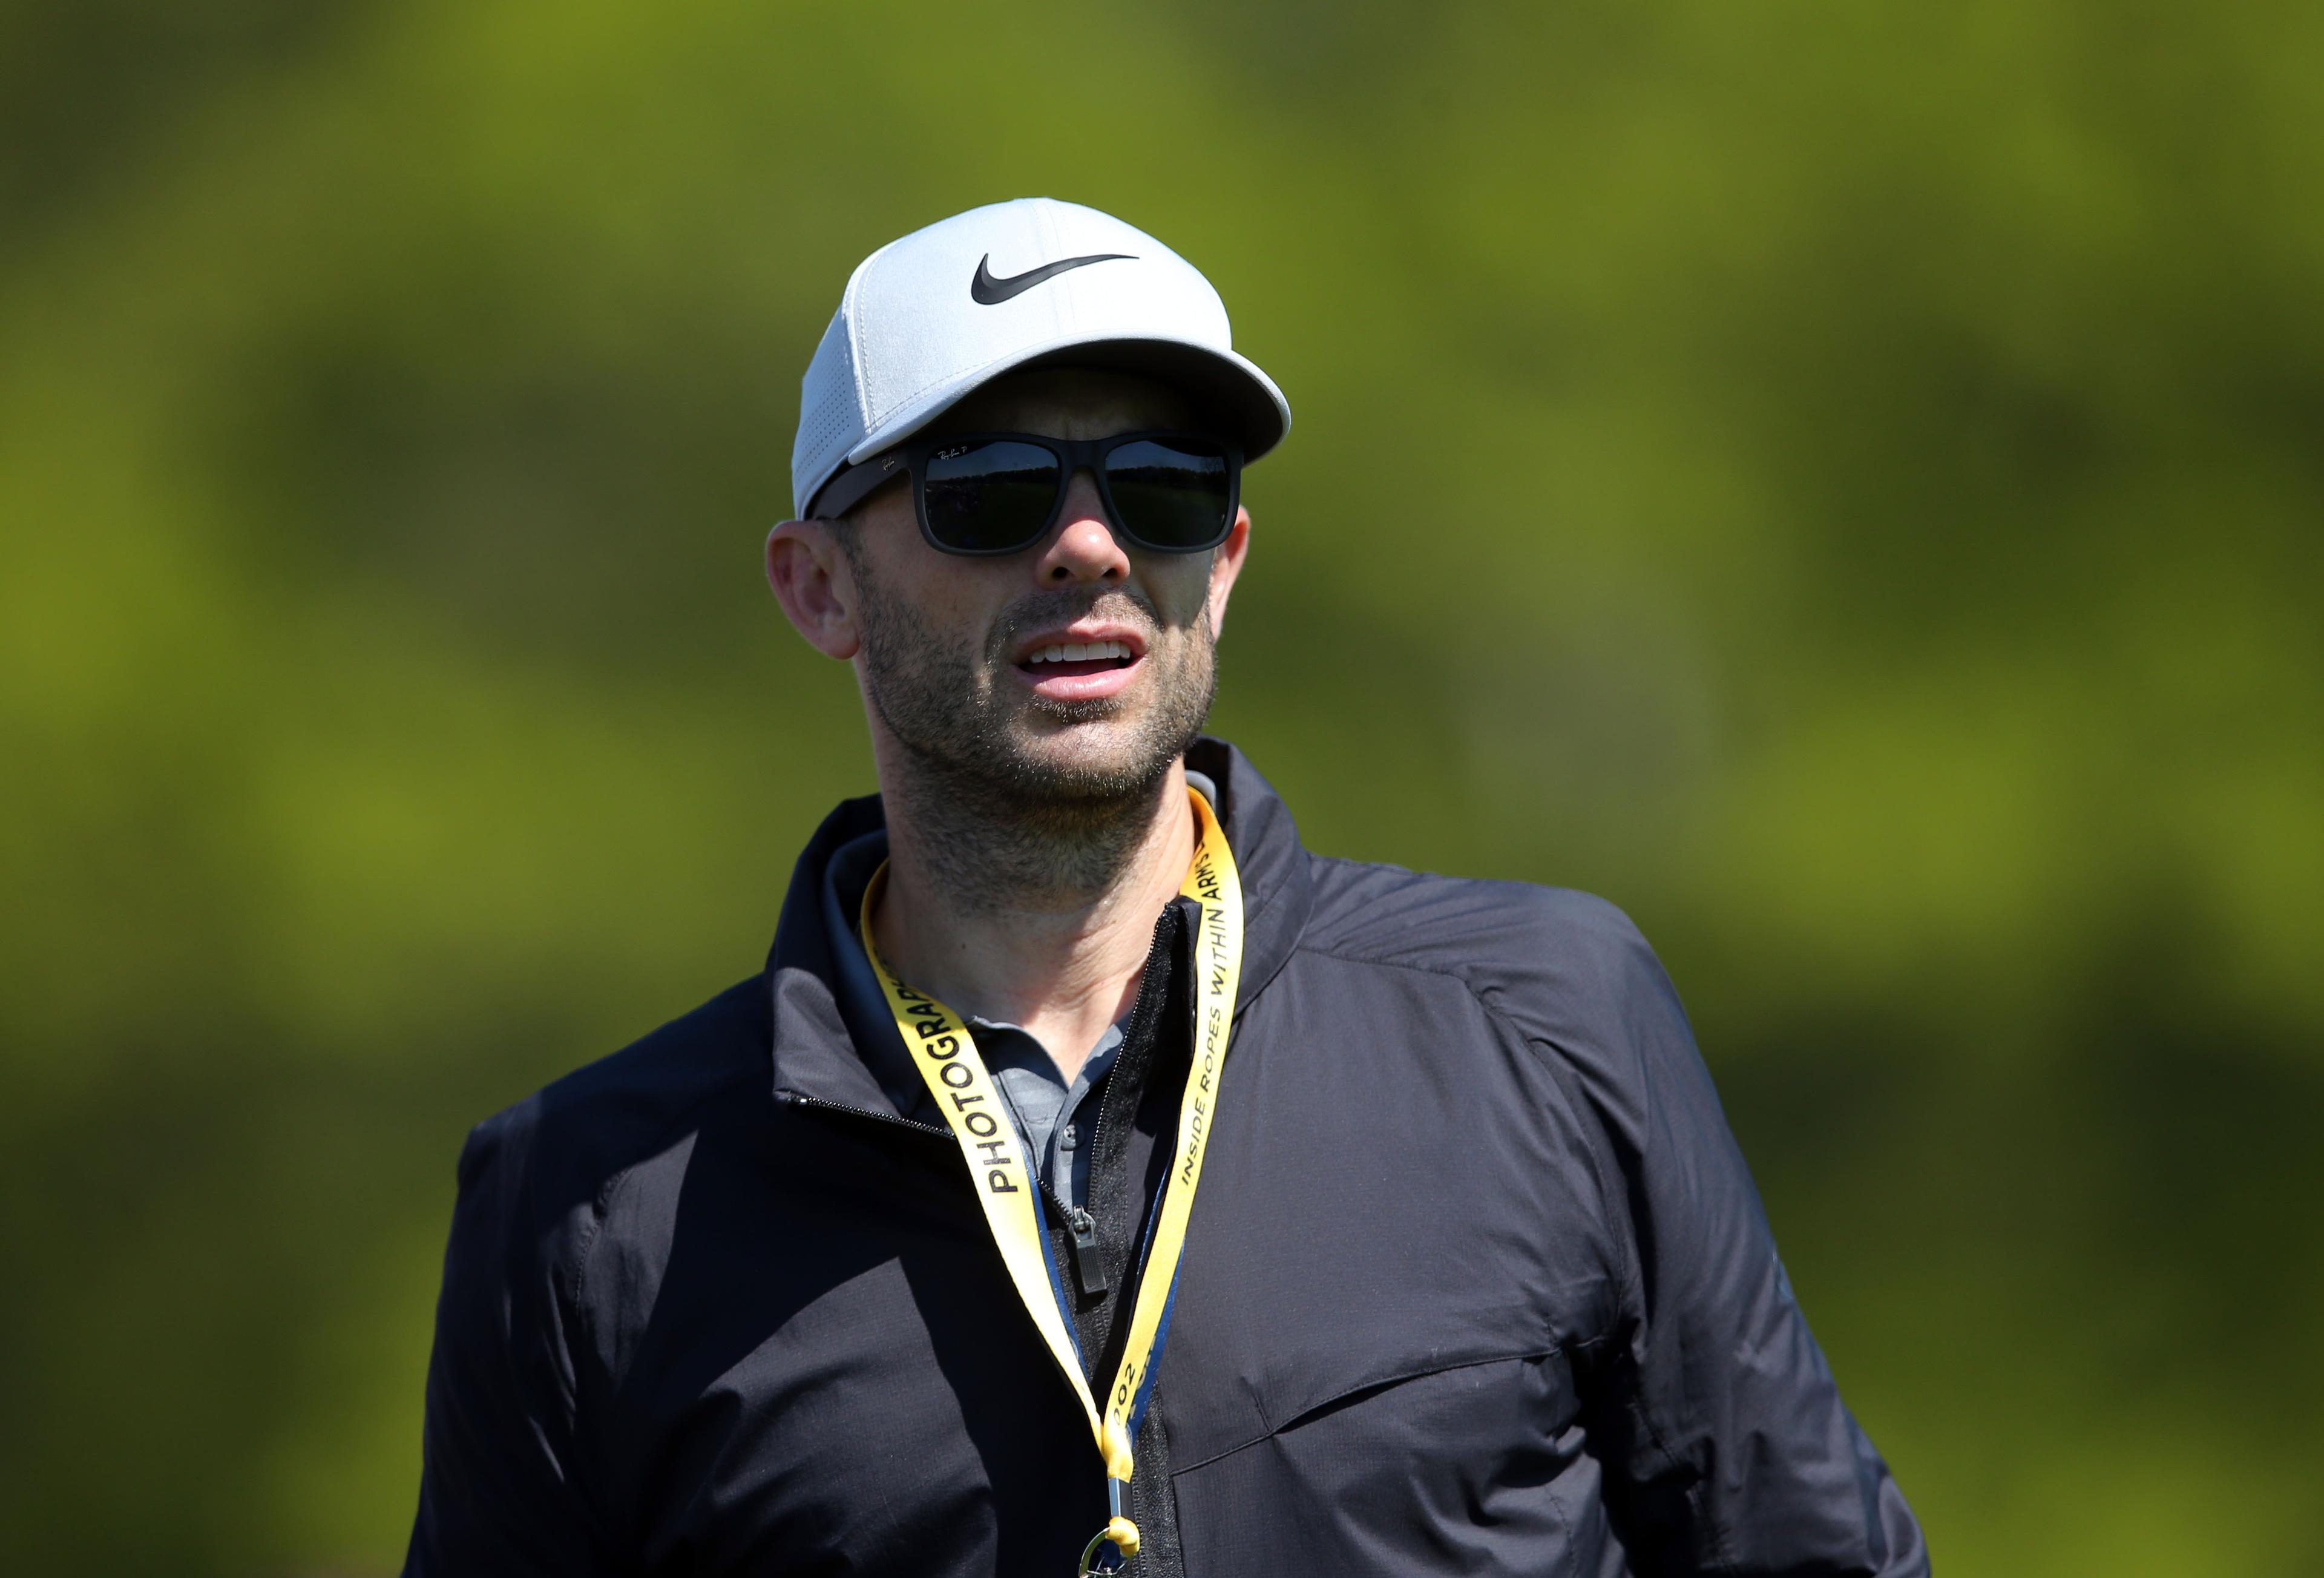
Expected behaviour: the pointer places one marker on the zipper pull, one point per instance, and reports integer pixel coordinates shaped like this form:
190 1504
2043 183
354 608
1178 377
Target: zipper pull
1088 1268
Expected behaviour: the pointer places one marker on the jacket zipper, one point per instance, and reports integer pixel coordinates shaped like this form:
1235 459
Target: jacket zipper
1089 1267
791 1098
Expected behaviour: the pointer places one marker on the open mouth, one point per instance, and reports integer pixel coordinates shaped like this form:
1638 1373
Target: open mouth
1072 659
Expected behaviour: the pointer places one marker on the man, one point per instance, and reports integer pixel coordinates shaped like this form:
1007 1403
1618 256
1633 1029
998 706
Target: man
1094 1177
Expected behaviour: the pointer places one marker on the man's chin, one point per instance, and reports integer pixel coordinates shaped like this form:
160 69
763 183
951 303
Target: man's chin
1104 758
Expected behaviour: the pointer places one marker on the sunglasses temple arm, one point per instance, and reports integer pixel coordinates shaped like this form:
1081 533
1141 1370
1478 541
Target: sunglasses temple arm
852 486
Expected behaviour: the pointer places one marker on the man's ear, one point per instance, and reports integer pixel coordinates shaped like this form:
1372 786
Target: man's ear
1226 564
812 579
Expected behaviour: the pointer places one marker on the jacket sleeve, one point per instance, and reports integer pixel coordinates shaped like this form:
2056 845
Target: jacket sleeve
1727 1448
499 1492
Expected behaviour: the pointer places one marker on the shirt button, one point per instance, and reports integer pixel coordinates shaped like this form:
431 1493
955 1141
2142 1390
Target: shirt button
1067 1138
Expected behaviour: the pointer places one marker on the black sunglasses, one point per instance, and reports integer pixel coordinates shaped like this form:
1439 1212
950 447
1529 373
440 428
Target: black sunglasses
1000 492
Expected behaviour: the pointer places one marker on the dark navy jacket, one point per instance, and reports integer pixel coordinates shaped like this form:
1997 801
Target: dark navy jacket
1477 1282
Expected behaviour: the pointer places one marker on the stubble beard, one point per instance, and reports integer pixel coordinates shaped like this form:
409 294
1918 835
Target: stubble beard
1018 801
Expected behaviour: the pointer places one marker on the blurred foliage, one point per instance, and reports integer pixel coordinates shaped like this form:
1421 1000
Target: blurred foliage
1842 481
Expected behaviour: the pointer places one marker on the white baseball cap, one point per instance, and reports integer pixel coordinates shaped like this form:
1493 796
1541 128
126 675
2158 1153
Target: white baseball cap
930 317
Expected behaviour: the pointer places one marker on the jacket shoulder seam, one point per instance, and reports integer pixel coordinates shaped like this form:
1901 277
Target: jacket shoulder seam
601 1202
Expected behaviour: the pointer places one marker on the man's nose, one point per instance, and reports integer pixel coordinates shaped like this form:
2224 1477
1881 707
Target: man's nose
1085 549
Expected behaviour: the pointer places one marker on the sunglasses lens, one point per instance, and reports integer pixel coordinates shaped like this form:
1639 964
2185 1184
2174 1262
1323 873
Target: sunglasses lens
1171 493
989 496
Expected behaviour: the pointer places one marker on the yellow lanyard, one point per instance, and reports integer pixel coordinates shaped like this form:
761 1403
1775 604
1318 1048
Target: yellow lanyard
947 1056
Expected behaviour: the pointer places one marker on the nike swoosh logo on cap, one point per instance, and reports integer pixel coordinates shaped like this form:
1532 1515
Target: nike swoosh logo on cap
987 291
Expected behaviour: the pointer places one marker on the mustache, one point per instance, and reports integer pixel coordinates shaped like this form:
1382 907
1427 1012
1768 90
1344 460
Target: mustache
1038 611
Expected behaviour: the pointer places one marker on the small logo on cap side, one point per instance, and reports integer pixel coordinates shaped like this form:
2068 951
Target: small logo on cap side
987 291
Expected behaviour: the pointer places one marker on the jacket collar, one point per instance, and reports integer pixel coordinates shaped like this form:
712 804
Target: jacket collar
815 1047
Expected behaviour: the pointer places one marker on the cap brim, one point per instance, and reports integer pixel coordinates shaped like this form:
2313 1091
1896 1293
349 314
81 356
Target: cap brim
1226 387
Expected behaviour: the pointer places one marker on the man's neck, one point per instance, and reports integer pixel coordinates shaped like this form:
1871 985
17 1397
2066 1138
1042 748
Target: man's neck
1061 959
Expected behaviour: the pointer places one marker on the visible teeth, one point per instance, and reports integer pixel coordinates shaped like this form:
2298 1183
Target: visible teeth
1079 651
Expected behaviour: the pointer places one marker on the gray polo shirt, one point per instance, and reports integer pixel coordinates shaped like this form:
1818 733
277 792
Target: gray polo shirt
1053 1115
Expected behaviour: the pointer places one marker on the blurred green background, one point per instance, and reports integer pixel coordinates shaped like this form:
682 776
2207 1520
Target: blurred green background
1842 481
